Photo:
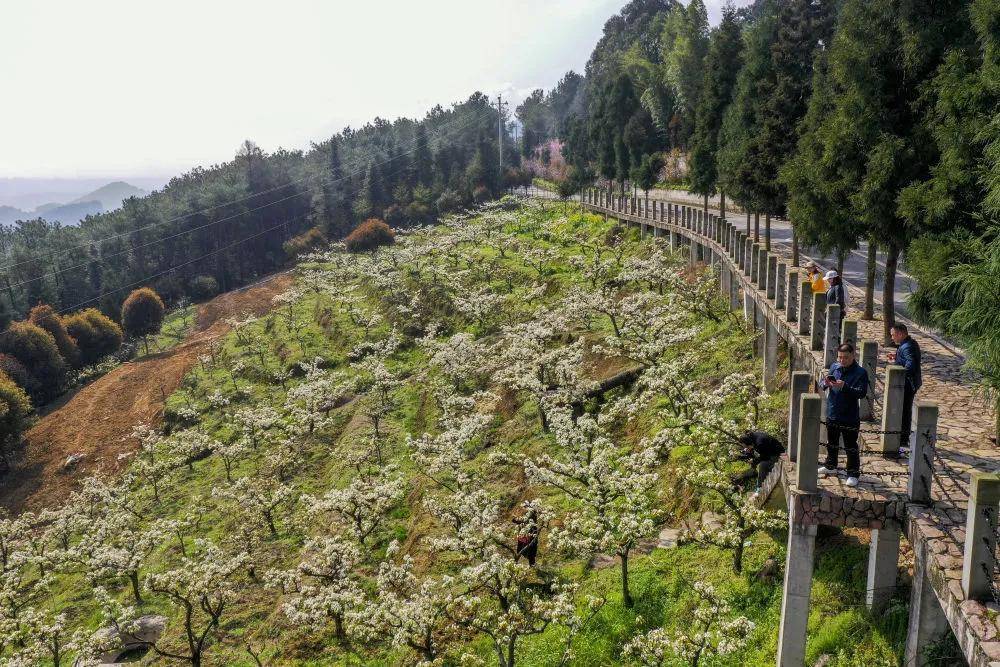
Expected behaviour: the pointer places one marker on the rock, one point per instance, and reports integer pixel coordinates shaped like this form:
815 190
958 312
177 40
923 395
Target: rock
769 570
149 629
823 660
602 561
710 520
668 537
72 460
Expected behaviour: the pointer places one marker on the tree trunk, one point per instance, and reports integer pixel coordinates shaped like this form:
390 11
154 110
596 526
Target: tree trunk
841 258
133 578
869 313
722 204
626 594
748 222
738 557
767 231
889 293
706 203
756 227
795 248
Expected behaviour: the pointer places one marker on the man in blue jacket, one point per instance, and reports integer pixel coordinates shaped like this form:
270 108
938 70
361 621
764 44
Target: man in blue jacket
907 355
846 384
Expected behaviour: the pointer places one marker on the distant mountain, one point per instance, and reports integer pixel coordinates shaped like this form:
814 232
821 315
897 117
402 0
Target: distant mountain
8 214
111 195
72 213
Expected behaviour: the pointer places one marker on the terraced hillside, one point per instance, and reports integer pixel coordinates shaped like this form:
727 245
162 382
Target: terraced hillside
345 479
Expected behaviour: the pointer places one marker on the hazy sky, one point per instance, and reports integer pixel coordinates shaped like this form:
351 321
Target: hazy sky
116 88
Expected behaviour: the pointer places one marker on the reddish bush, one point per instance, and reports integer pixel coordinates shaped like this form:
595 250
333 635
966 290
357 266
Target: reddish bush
44 316
305 242
16 371
36 349
96 334
142 313
369 235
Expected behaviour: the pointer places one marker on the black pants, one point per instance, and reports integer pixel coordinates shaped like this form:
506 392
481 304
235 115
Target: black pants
849 433
528 550
907 425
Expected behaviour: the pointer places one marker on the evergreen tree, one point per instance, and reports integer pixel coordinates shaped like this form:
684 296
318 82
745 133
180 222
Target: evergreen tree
686 43
722 65
423 160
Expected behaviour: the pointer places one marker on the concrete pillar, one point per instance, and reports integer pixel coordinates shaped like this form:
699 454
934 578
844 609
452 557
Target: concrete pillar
892 409
817 327
750 253
772 276
831 339
762 254
869 361
883 564
800 384
675 240
918 486
805 303
792 296
979 557
807 461
779 286
755 264
734 292
770 356
759 326
795 598
849 333
738 253
927 621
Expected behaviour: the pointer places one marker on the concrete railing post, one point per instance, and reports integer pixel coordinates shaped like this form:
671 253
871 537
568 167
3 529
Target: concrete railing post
979 559
779 286
792 296
738 253
799 385
805 303
755 264
831 339
849 333
750 253
927 622
892 410
770 356
918 486
869 361
762 254
807 457
817 327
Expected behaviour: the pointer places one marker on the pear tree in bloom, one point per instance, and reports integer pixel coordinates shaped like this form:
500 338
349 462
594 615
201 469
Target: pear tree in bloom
710 432
260 502
379 385
364 503
309 402
44 639
710 632
323 587
153 463
118 548
614 490
256 424
405 609
202 587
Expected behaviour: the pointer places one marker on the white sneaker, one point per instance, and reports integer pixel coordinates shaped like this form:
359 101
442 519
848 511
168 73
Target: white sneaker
823 470
852 481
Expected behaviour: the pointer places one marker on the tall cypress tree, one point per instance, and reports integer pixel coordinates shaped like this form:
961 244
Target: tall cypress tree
721 68
423 161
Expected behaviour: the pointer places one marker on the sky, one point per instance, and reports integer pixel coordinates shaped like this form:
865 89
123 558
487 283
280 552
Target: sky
115 88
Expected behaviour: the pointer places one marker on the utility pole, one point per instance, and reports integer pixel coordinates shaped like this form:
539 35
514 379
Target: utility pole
500 133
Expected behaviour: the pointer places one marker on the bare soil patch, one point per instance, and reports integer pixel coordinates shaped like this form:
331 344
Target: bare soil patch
97 420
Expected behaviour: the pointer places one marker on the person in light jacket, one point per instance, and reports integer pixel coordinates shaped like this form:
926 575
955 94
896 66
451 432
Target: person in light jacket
846 384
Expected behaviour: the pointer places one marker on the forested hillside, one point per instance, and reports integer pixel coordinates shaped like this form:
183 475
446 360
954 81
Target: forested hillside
349 478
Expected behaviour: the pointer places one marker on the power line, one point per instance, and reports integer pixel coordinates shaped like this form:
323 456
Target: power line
187 263
436 133
56 273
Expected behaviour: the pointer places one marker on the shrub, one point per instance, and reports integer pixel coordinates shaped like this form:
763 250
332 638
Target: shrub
481 194
96 335
45 317
203 288
142 314
418 213
369 235
17 372
14 410
449 201
304 242
35 347
396 216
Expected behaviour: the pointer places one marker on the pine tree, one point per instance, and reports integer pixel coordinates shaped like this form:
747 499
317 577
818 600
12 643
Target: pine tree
721 68
423 160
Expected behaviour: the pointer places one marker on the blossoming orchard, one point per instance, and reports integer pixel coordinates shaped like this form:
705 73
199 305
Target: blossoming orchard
357 476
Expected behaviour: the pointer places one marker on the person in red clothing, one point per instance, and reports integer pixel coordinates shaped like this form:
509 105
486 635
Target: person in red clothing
527 535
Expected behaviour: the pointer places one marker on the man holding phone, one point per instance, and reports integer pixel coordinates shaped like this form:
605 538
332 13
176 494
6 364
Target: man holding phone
846 385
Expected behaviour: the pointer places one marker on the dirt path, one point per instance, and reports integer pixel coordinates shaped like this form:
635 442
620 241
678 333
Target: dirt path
97 420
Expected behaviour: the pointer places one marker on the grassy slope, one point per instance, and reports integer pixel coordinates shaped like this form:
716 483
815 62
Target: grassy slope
662 580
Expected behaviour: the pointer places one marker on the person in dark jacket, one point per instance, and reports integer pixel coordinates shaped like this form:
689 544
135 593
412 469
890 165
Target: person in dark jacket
907 355
761 451
836 294
527 535
846 384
